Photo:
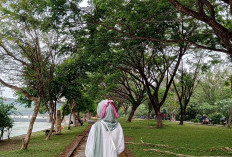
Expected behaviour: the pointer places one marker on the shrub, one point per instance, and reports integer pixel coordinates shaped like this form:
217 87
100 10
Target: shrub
5 120
216 117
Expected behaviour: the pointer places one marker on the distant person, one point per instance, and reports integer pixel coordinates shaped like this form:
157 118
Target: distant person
106 137
204 117
164 116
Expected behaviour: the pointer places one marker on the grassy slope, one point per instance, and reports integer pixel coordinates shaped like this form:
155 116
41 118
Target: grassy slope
188 139
39 147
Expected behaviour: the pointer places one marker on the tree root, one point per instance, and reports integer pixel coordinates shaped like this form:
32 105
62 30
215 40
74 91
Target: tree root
222 149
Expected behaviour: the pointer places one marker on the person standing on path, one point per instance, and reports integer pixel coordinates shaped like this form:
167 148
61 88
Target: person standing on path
106 137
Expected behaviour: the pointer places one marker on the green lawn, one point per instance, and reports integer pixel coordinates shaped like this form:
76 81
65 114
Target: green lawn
39 147
189 139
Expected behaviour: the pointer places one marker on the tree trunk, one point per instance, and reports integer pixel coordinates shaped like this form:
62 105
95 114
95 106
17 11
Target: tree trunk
182 114
230 114
230 117
85 117
182 118
89 115
51 129
173 117
125 114
74 119
58 123
158 118
148 114
132 113
25 141
69 122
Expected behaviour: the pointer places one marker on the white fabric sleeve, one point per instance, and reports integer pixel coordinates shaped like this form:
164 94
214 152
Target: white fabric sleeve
121 144
90 143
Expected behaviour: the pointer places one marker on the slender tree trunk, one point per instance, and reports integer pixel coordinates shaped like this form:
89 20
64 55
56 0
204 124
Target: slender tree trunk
158 118
182 115
125 114
25 141
69 122
78 116
85 117
230 117
230 114
132 113
148 114
58 123
52 126
74 119
173 117
149 110
89 115
51 129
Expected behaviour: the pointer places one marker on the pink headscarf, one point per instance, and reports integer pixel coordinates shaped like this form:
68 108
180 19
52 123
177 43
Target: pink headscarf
106 105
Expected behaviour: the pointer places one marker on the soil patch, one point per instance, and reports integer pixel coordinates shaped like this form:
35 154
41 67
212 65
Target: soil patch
11 144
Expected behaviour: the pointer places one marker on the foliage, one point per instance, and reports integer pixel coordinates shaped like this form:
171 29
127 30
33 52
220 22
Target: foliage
5 112
65 110
171 105
216 117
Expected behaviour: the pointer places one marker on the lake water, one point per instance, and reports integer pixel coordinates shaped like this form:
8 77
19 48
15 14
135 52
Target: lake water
21 125
20 128
22 119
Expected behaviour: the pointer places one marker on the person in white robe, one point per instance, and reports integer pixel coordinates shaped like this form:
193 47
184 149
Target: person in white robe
106 137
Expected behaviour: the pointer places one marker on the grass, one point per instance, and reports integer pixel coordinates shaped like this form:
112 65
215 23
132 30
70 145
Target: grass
39 147
188 139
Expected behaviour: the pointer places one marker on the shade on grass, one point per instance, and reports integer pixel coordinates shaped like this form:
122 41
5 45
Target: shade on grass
39 147
188 139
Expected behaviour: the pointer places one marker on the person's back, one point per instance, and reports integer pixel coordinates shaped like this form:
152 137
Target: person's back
106 137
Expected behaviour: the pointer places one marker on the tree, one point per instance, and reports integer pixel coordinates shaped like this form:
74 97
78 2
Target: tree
171 104
73 79
213 14
129 88
28 53
187 80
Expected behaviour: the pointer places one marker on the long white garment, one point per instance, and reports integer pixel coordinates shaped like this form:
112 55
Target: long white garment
108 149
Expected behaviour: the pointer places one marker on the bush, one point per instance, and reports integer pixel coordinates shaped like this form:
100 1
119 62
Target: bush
195 120
5 120
216 117
65 109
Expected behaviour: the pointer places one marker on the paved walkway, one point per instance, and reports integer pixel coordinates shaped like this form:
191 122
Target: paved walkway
77 147
80 150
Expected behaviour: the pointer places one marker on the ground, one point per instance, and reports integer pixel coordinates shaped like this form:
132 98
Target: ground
142 138
196 140
38 146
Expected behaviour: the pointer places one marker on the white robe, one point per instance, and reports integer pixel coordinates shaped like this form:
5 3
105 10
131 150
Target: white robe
108 150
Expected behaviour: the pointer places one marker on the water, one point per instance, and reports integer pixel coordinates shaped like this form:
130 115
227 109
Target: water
22 119
20 128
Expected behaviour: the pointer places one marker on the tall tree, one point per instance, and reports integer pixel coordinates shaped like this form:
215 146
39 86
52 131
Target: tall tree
28 53
130 88
184 89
